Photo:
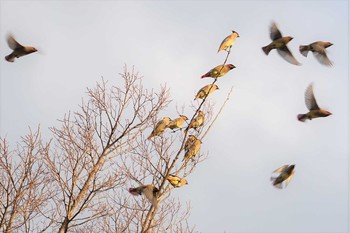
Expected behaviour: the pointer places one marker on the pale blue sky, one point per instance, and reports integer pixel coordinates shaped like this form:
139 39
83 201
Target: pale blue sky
174 43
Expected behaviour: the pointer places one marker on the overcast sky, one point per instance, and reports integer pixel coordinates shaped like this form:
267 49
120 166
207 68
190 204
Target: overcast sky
174 43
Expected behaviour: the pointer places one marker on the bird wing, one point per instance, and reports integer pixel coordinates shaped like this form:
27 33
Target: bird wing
13 44
322 57
274 32
225 43
287 55
279 170
310 100
289 178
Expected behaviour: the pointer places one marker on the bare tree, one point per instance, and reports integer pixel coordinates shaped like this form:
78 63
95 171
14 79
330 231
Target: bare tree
24 189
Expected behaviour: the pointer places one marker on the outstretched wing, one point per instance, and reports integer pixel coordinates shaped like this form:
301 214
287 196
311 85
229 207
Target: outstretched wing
310 100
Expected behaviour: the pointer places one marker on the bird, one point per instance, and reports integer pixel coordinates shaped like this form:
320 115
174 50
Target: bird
178 122
18 49
318 48
314 110
219 71
192 147
160 127
280 43
282 176
198 121
228 41
149 191
176 181
205 91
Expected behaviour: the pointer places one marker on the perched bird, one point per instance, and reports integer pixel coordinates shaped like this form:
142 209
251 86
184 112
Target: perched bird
311 104
206 90
198 121
178 122
192 147
282 174
176 181
228 41
160 127
18 49
148 190
219 71
318 48
280 43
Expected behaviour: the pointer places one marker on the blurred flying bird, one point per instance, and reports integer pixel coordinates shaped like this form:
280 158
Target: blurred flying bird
149 191
160 127
192 147
282 176
219 71
178 122
206 90
311 104
198 121
280 43
228 41
176 181
18 49
318 48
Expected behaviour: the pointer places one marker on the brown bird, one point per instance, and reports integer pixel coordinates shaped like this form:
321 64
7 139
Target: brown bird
206 90
178 122
280 43
219 71
228 41
176 181
160 127
318 48
149 191
18 49
192 147
311 104
198 121
282 176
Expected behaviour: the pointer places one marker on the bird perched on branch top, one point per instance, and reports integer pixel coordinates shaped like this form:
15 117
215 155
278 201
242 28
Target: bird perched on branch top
206 90
176 181
160 127
228 41
311 104
178 122
149 191
18 49
219 71
282 176
318 48
280 43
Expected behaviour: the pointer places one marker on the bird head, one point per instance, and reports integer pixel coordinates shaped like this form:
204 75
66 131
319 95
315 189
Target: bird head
328 44
231 66
216 87
235 32
289 38
184 117
326 113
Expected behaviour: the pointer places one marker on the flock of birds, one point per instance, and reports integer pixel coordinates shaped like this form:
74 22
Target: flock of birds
280 177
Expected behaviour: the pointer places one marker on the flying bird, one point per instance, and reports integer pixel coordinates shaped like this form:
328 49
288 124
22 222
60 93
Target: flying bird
198 121
18 49
192 147
178 122
318 48
282 176
280 43
176 181
228 41
160 127
206 90
149 191
314 110
219 71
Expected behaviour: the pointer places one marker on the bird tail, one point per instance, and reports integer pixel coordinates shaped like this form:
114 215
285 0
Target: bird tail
10 58
266 49
206 75
304 49
302 117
